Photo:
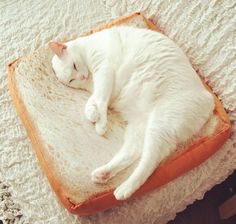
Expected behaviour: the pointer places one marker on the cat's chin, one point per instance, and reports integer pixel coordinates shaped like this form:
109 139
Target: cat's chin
88 86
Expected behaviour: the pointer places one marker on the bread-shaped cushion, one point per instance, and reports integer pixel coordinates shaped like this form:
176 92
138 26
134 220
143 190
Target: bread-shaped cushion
67 145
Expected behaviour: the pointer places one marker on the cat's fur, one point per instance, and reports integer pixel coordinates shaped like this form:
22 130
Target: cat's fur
149 80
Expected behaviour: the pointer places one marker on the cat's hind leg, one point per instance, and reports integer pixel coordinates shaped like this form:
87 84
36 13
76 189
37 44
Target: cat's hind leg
156 147
129 152
169 124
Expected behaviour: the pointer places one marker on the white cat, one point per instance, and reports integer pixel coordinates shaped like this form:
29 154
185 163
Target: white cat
148 79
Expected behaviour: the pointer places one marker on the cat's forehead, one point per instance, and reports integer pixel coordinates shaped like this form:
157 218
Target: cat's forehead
62 62
61 67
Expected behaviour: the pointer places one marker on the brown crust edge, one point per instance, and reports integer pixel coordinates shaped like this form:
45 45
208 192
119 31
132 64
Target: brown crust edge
105 200
32 133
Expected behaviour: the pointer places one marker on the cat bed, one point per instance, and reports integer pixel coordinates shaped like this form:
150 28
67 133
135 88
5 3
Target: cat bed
68 147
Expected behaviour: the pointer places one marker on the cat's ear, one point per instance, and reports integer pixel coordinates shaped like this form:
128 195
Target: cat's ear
57 48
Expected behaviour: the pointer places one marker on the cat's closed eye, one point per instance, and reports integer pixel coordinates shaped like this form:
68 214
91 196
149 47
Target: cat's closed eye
75 67
71 80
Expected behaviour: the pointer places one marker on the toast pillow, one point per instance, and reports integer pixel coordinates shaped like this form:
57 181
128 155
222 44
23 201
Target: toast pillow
66 145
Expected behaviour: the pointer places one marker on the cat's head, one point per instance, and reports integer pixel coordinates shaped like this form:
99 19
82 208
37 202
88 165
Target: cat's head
68 65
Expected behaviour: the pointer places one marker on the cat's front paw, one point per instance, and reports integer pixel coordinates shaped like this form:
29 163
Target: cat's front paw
124 191
101 175
91 111
100 128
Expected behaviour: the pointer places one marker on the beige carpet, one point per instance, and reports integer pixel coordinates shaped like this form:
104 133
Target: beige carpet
206 33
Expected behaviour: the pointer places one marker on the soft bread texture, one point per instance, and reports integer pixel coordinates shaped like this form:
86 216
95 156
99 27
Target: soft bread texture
68 147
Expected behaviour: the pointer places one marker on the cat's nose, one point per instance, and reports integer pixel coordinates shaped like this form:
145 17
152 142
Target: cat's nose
84 77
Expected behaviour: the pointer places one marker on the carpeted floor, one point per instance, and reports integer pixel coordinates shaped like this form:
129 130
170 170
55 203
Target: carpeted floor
27 25
205 211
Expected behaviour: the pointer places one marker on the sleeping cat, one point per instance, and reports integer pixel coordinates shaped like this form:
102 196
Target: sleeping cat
148 79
